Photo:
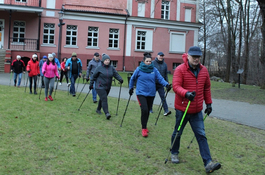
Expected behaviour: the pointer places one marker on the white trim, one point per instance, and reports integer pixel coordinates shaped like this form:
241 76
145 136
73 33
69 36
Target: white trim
141 7
166 10
189 2
92 47
152 11
110 48
196 37
48 45
70 46
3 34
50 4
2 1
50 13
129 6
170 42
139 26
148 40
178 11
128 40
22 8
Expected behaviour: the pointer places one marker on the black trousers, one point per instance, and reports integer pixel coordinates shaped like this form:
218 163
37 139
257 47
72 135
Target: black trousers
35 83
103 99
66 76
146 104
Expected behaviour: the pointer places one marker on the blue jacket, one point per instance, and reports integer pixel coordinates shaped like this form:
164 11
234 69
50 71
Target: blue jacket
40 65
69 63
146 82
57 62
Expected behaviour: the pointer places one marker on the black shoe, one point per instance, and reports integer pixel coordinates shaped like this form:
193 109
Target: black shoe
108 116
30 92
73 95
167 113
95 101
211 167
35 93
98 111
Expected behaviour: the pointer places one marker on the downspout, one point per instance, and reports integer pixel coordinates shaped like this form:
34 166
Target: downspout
10 14
124 41
38 42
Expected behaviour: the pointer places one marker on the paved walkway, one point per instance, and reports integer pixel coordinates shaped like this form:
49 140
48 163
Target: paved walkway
238 112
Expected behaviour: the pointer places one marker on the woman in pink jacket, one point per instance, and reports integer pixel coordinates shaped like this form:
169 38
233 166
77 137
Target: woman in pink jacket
49 71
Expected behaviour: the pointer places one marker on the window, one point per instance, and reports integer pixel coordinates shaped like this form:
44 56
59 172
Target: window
188 15
71 35
19 31
92 38
21 0
48 33
114 63
141 9
87 62
144 40
175 65
165 9
177 42
114 38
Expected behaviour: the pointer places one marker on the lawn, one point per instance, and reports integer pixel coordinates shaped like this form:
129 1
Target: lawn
39 137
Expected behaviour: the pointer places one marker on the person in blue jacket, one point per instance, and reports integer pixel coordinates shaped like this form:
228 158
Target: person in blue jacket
74 66
57 62
147 76
42 61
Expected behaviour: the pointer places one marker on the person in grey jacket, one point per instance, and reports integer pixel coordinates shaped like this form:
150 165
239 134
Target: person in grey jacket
103 76
92 65
162 68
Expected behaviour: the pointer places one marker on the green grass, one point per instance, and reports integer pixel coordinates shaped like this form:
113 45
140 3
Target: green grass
39 137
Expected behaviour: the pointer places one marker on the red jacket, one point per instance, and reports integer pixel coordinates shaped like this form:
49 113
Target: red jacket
33 68
184 80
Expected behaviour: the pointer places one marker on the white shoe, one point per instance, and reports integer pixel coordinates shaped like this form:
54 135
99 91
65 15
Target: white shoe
68 84
60 84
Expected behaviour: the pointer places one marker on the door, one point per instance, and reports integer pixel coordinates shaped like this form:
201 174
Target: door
1 33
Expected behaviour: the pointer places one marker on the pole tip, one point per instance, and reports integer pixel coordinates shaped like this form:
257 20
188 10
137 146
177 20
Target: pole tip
166 161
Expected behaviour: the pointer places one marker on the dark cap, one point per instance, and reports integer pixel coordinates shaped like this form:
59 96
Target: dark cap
44 57
195 51
160 53
73 54
104 57
96 54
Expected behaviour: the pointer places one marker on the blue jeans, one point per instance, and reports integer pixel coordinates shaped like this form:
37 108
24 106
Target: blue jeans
72 87
94 92
197 125
161 91
19 78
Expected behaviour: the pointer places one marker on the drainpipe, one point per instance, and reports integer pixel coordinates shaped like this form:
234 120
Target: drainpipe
38 42
10 14
124 42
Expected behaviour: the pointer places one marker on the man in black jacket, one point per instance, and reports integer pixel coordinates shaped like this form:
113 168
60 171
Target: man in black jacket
17 66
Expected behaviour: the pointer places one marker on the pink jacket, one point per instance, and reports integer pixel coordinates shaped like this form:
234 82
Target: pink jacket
50 70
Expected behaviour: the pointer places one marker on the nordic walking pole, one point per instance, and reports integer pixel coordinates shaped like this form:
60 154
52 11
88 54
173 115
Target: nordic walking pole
26 83
77 84
161 108
56 87
194 135
10 78
24 78
125 110
84 99
178 131
82 89
118 100
40 89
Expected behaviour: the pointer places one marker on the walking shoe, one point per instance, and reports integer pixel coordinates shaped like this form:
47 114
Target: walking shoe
98 111
18 86
30 92
15 85
60 84
35 93
151 111
144 133
73 95
211 167
108 116
147 130
174 158
50 97
46 99
68 84
95 101
167 113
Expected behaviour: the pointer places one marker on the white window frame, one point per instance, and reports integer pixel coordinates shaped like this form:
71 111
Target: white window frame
50 4
187 14
71 29
112 33
93 31
148 40
24 1
114 63
179 45
141 9
49 27
175 65
165 12
19 32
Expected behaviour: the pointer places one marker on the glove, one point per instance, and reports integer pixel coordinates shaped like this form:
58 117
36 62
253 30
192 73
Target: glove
38 75
121 81
208 109
169 86
190 95
87 79
58 78
131 91
91 87
28 71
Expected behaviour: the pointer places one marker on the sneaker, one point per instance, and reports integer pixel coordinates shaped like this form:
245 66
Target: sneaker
151 111
68 84
18 86
174 158
95 101
30 92
167 113
14 85
60 84
73 95
98 111
108 116
46 99
144 132
50 97
35 93
211 167
147 130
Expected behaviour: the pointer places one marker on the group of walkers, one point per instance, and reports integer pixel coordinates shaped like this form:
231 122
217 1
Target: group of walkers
191 84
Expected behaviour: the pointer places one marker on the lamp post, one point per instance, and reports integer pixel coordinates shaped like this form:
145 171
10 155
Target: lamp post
61 23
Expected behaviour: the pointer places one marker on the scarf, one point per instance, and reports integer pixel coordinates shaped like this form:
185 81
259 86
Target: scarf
146 68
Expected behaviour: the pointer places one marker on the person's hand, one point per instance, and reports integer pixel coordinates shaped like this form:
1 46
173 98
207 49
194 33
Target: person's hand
57 77
38 75
208 109
169 86
121 81
190 95
28 71
87 79
131 91
91 87
80 74
69 67
24 72
11 70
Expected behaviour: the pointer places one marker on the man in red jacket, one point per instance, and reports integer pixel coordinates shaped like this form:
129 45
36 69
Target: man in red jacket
191 82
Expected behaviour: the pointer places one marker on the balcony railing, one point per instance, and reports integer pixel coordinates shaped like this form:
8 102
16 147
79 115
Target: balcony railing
24 44
31 3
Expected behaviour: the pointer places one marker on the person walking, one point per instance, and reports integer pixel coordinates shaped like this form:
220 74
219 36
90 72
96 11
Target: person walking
33 69
49 71
147 76
74 66
161 66
64 71
18 66
92 65
57 62
42 61
191 82
102 77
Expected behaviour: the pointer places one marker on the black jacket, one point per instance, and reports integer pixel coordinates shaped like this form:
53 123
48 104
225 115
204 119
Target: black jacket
161 67
18 66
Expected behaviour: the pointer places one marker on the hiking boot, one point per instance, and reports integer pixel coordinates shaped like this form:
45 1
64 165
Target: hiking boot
98 111
211 167
144 133
30 92
108 116
50 97
35 93
174 158
95 101
46 99
167 113
73 95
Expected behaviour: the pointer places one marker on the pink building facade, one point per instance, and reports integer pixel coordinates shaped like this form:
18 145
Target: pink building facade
123 29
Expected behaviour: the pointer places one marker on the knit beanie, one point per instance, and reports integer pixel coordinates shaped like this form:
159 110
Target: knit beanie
104 57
